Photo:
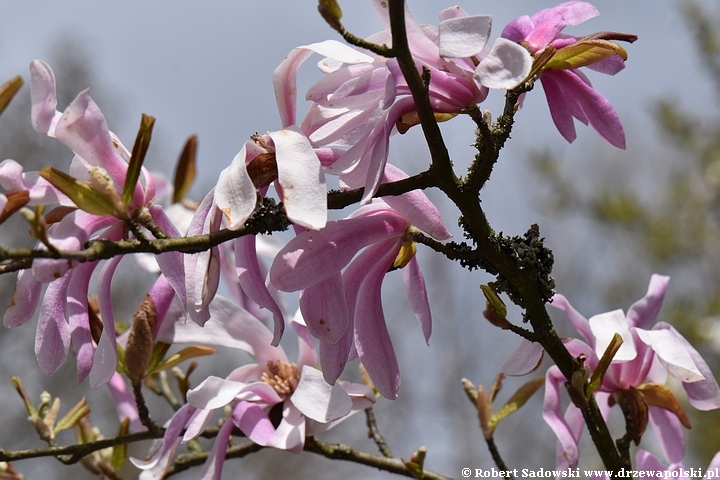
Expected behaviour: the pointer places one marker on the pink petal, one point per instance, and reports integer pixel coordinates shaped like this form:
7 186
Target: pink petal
643 313
171 264
106 353
550 22
525 359
164 450
578 321
553 416
252 282
124 402
669 433
673 353
42 97
254 422
52 340
77 311
214 392
24 300
306 350
324 309
212 468
313 256
301 177
417 296
372 339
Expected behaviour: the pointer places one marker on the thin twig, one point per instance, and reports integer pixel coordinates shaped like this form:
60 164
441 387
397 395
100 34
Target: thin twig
374 433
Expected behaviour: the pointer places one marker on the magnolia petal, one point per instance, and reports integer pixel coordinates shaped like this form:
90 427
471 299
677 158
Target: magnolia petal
578 321
285 75
171 264
673 354
553 416
254 422
235 194
198 423
290 434
334 356
644 312
105 359
164 450
550 22
505 66
24 300
604 326
306 350
463 36
78 318
372 338
124 402
214 392
313 255
559 104
229 326
52 340
212 468
42 96
324 309
525 359
417 296
669 433
253 284
301 177
318 400
705 394
83 129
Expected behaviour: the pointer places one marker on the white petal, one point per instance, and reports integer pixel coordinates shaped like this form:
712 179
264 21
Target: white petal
604 326
673 354
317 399
214 392
301 177
464 36
235 194
505 66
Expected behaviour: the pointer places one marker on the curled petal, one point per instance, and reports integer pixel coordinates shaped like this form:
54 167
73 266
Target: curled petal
318 400
42 96
505 66
254 422
417 296
106 353
553 415
24 300
301 177
235 194
214 392
644 312
673 353
290 434
212 468
525 359
463 36
604 326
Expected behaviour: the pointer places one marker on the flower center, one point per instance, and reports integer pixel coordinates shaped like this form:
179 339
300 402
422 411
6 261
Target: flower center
283 377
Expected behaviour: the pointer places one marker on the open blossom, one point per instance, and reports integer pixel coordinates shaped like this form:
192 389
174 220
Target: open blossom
307 403
364 96
569 92
101 161
344 308
648 353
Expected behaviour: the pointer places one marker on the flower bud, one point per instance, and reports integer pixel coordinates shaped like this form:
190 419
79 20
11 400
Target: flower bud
141 340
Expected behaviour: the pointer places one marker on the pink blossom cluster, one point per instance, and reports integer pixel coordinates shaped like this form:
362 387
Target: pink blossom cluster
338 266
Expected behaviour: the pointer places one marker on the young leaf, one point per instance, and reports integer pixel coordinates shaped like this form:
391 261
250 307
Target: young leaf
185 171
179 357
142 141
81 193
603 364
584 53
8 91
72 417
517 400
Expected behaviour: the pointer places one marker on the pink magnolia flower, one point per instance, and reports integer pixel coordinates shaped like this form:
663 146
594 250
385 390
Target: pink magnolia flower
364 96
569 92
344 309
648 353
102 160
297 391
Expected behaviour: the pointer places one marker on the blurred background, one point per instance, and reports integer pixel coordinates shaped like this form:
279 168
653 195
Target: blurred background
611 217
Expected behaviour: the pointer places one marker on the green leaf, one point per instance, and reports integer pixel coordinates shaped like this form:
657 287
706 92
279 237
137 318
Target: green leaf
179 357
72 417
518 399
584 53
119 452
81 193
185 171
494 301
8 91
603 364
142 141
